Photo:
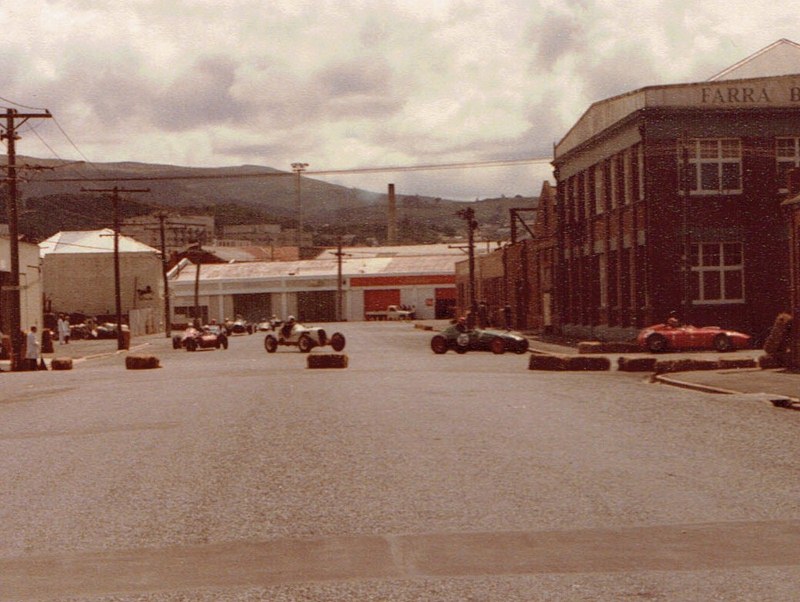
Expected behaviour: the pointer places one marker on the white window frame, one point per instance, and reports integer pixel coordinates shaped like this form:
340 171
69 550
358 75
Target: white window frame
791 158
709 152
719 268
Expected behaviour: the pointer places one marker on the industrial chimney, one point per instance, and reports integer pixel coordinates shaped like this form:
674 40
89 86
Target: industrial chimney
391 229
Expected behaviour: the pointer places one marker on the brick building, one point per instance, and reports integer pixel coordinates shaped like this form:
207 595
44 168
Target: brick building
519 274
669 199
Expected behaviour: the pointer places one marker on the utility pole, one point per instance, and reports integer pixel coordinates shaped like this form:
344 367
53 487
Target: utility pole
10 134
167 317
117 284
298 169
339 284
468 215
162 216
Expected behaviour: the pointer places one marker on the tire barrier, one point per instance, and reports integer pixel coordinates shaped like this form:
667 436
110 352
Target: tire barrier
327 361
141 362
61 363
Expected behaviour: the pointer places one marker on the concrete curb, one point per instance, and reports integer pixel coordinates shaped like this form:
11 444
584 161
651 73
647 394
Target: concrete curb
780 401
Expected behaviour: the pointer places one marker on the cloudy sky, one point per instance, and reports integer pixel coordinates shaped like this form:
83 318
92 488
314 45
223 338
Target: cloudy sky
351 84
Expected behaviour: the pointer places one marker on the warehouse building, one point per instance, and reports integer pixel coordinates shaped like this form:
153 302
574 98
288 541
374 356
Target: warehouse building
372 278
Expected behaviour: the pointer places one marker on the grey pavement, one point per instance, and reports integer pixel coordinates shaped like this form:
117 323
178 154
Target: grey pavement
82 349
779 385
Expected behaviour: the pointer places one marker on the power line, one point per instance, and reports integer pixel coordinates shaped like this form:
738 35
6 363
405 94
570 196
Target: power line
282 174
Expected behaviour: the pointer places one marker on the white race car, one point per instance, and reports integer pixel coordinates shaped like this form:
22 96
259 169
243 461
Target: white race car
305 338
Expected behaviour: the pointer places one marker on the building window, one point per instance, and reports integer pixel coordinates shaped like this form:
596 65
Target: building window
715 165
717 272
787 153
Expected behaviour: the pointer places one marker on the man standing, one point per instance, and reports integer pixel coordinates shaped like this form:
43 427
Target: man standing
31 350
63 329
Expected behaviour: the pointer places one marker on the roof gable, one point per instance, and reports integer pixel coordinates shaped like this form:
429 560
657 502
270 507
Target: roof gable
91 241
779 58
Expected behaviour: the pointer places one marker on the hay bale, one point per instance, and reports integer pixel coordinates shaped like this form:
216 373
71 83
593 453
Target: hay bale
685 365
547 362
330 360
637 364
607 347
585 364
737 364
141 362
61 363
779 336
768 362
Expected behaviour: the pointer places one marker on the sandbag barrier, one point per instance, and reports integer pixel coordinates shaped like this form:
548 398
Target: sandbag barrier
329 360
141 362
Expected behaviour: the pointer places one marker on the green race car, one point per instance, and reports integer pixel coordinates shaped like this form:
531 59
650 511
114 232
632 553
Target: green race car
488 339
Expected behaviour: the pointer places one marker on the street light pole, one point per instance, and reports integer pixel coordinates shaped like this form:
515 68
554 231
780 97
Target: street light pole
298 169
468 214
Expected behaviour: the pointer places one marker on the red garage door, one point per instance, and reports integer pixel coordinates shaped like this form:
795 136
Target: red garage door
379 300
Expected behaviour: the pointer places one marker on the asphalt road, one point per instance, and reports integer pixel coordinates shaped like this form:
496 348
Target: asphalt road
237 475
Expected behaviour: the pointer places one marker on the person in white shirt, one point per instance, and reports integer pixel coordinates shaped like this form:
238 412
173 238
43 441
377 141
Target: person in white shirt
31 350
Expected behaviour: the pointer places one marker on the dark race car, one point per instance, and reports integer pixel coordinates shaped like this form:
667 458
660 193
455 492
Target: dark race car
461 341
209 337
666 337
240 326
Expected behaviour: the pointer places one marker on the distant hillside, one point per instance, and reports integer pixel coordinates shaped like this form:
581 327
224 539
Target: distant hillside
234 195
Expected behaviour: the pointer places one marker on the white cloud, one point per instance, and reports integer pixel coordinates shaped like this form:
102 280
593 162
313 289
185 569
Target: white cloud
356 83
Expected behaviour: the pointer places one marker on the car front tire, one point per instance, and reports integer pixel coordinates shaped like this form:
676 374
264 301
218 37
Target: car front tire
722 343
305 343
270 343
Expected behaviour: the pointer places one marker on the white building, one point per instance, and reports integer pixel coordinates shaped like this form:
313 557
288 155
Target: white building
78 274
422 276
30 282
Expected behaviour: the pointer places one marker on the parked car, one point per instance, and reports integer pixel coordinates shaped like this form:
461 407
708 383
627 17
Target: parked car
106 330
305 338
665 337
209 337
393 312
488 339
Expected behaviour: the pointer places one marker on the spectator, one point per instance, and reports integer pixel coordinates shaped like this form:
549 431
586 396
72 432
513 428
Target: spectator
507 316
31 350
62 327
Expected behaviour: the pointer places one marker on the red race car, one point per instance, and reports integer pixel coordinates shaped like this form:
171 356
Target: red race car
192 339
663 337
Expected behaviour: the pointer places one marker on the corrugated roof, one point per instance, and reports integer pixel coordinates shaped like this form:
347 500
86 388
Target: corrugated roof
91 241
321 268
